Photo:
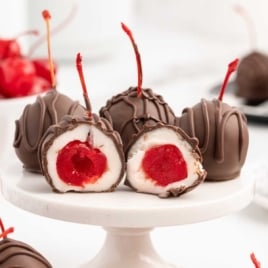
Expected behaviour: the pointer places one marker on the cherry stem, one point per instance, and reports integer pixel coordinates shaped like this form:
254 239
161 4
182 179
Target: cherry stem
138 57
5 232
252 34
255 261
83 83
29 32
53 31
231 68
47 17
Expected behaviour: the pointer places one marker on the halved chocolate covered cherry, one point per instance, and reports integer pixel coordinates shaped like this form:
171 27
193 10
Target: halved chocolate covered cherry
164 161
161 158
82 155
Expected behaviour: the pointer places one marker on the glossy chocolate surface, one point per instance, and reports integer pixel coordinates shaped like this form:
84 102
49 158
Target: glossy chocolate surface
14 253
35 120
252 78
223 137
130 113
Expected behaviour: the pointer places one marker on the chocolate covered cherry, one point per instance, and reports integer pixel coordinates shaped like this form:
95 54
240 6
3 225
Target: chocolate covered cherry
15 253
252 73
82 155
164 161
161 158
252 78
129 113
223 137
222 133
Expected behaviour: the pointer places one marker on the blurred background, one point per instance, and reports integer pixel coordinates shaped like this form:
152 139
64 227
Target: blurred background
87 23
180 37
196 28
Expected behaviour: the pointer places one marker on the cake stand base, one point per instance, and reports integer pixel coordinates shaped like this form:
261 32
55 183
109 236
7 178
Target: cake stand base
127 247
127 217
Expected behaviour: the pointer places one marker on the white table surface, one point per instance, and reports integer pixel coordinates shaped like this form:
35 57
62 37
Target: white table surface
182 79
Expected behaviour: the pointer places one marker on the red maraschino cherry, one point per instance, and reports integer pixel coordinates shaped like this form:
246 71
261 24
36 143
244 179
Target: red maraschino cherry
20 76
78 162
42 68
16 76
138 58
10 48
231 68
16 72
165 164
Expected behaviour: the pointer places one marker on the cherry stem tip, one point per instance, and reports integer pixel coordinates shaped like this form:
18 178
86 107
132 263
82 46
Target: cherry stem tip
46 15
232 66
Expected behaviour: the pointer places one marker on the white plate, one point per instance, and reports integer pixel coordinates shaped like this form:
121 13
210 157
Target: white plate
125 208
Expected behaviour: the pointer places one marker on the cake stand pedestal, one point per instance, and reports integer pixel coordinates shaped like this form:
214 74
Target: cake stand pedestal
127 217
128 247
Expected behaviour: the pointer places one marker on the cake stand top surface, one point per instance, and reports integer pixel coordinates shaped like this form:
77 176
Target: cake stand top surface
124 207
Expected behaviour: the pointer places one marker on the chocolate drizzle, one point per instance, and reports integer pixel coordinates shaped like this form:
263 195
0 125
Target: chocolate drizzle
14 253
130 113
223 136
35 120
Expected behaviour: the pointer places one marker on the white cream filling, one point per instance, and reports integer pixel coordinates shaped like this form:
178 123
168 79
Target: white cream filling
160 136
100 141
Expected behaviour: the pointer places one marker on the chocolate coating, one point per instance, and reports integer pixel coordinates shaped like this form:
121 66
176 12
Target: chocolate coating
129 113
35 120
68 123
14 253
223 137
196 154
252 78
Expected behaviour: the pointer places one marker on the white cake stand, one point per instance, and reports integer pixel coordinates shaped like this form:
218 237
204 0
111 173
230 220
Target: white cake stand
127 217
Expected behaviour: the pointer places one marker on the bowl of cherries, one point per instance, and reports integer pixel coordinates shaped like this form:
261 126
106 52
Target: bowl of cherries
22 78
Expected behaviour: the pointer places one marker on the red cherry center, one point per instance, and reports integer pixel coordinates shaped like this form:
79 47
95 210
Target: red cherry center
164 164
78 163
